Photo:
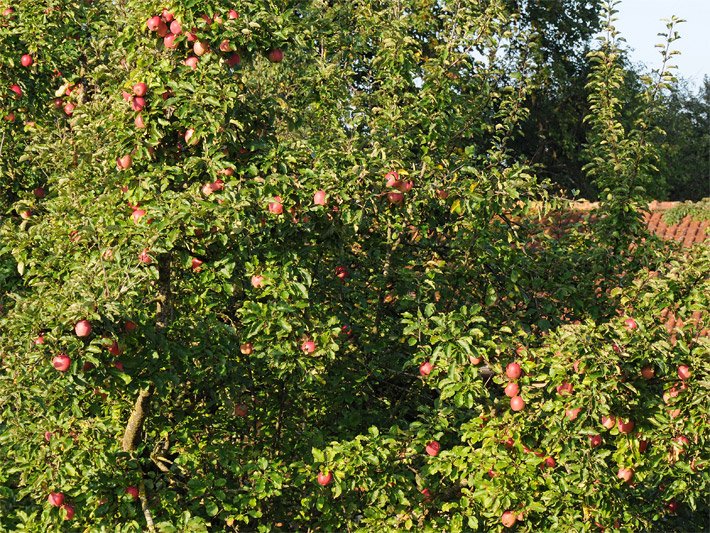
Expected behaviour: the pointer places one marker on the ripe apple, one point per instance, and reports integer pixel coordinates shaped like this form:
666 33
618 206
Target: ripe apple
114 349
8 12
153 23
191 36
232 15
672 506
513 371
140 89
433 448
137 215
630 324
192 62
69 109
257 281
39 192
276 55
648 372
169 41
276 207
595 440
55 499
10 117
143 257
82 328
426 493
625 427
124 162
175 27
508 519
512 389
442 194
234 60
572 414
138 103
138 121
549 463
47 436
26 214
308 346
88 365
683 372
26 60
625 474
475 360
341 272
395 198
162 30
17 90
207 189
325 479
200 48
241 410
130 326
319 198
133 492
218 184
565 388
643 445
509 443
681 442
425 368
517 403
39 340
225 46
167 16
118 365
608 422
196 263
392 179
68 511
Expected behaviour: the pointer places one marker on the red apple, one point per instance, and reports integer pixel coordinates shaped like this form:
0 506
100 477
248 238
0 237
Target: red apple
26 60
200 48
276 207
8 12
234 60
683 372
232 15
392 179
169 41
225 46
595 440
425 368
82 328
257 281
572 414
508 519
276 55
39 340
138 103
140 89
475 360
325 479
143 257
137 215
241 410
433 448
10 117
69 109
132 492
630 324
118 365
549 463
39 192
162 30
648 372
672 506
319 198
509 443
192 62
512 389
625 474
138 121
625 427
517 403
513 371
196 263
47 436
56 499
681 442
167 16
68 511
442 194
565 388
643 445
308 346
26 214
124 162
17 90
395 198
175 27
608 422
153 23
130 326
341 272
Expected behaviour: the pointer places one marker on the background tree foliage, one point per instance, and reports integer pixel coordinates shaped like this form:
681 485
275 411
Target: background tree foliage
268 248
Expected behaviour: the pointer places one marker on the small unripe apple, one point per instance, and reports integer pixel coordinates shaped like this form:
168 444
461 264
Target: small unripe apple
169 41
513 371
608 422
648 372
234 60
17 90
69 109
625 474
26 60
630 324
153 23
625 427
82 328
425 368
68 511
508 519
276 55
61 362
308 346
132 492
572 414
319 198
433 448
200 48
175 27
325 479
512 389
683 372
565 388
595 440
124 162
192 62
140 89
517 403
56 499
276 207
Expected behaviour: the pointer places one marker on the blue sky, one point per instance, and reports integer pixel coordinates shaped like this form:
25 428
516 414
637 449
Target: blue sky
640 21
